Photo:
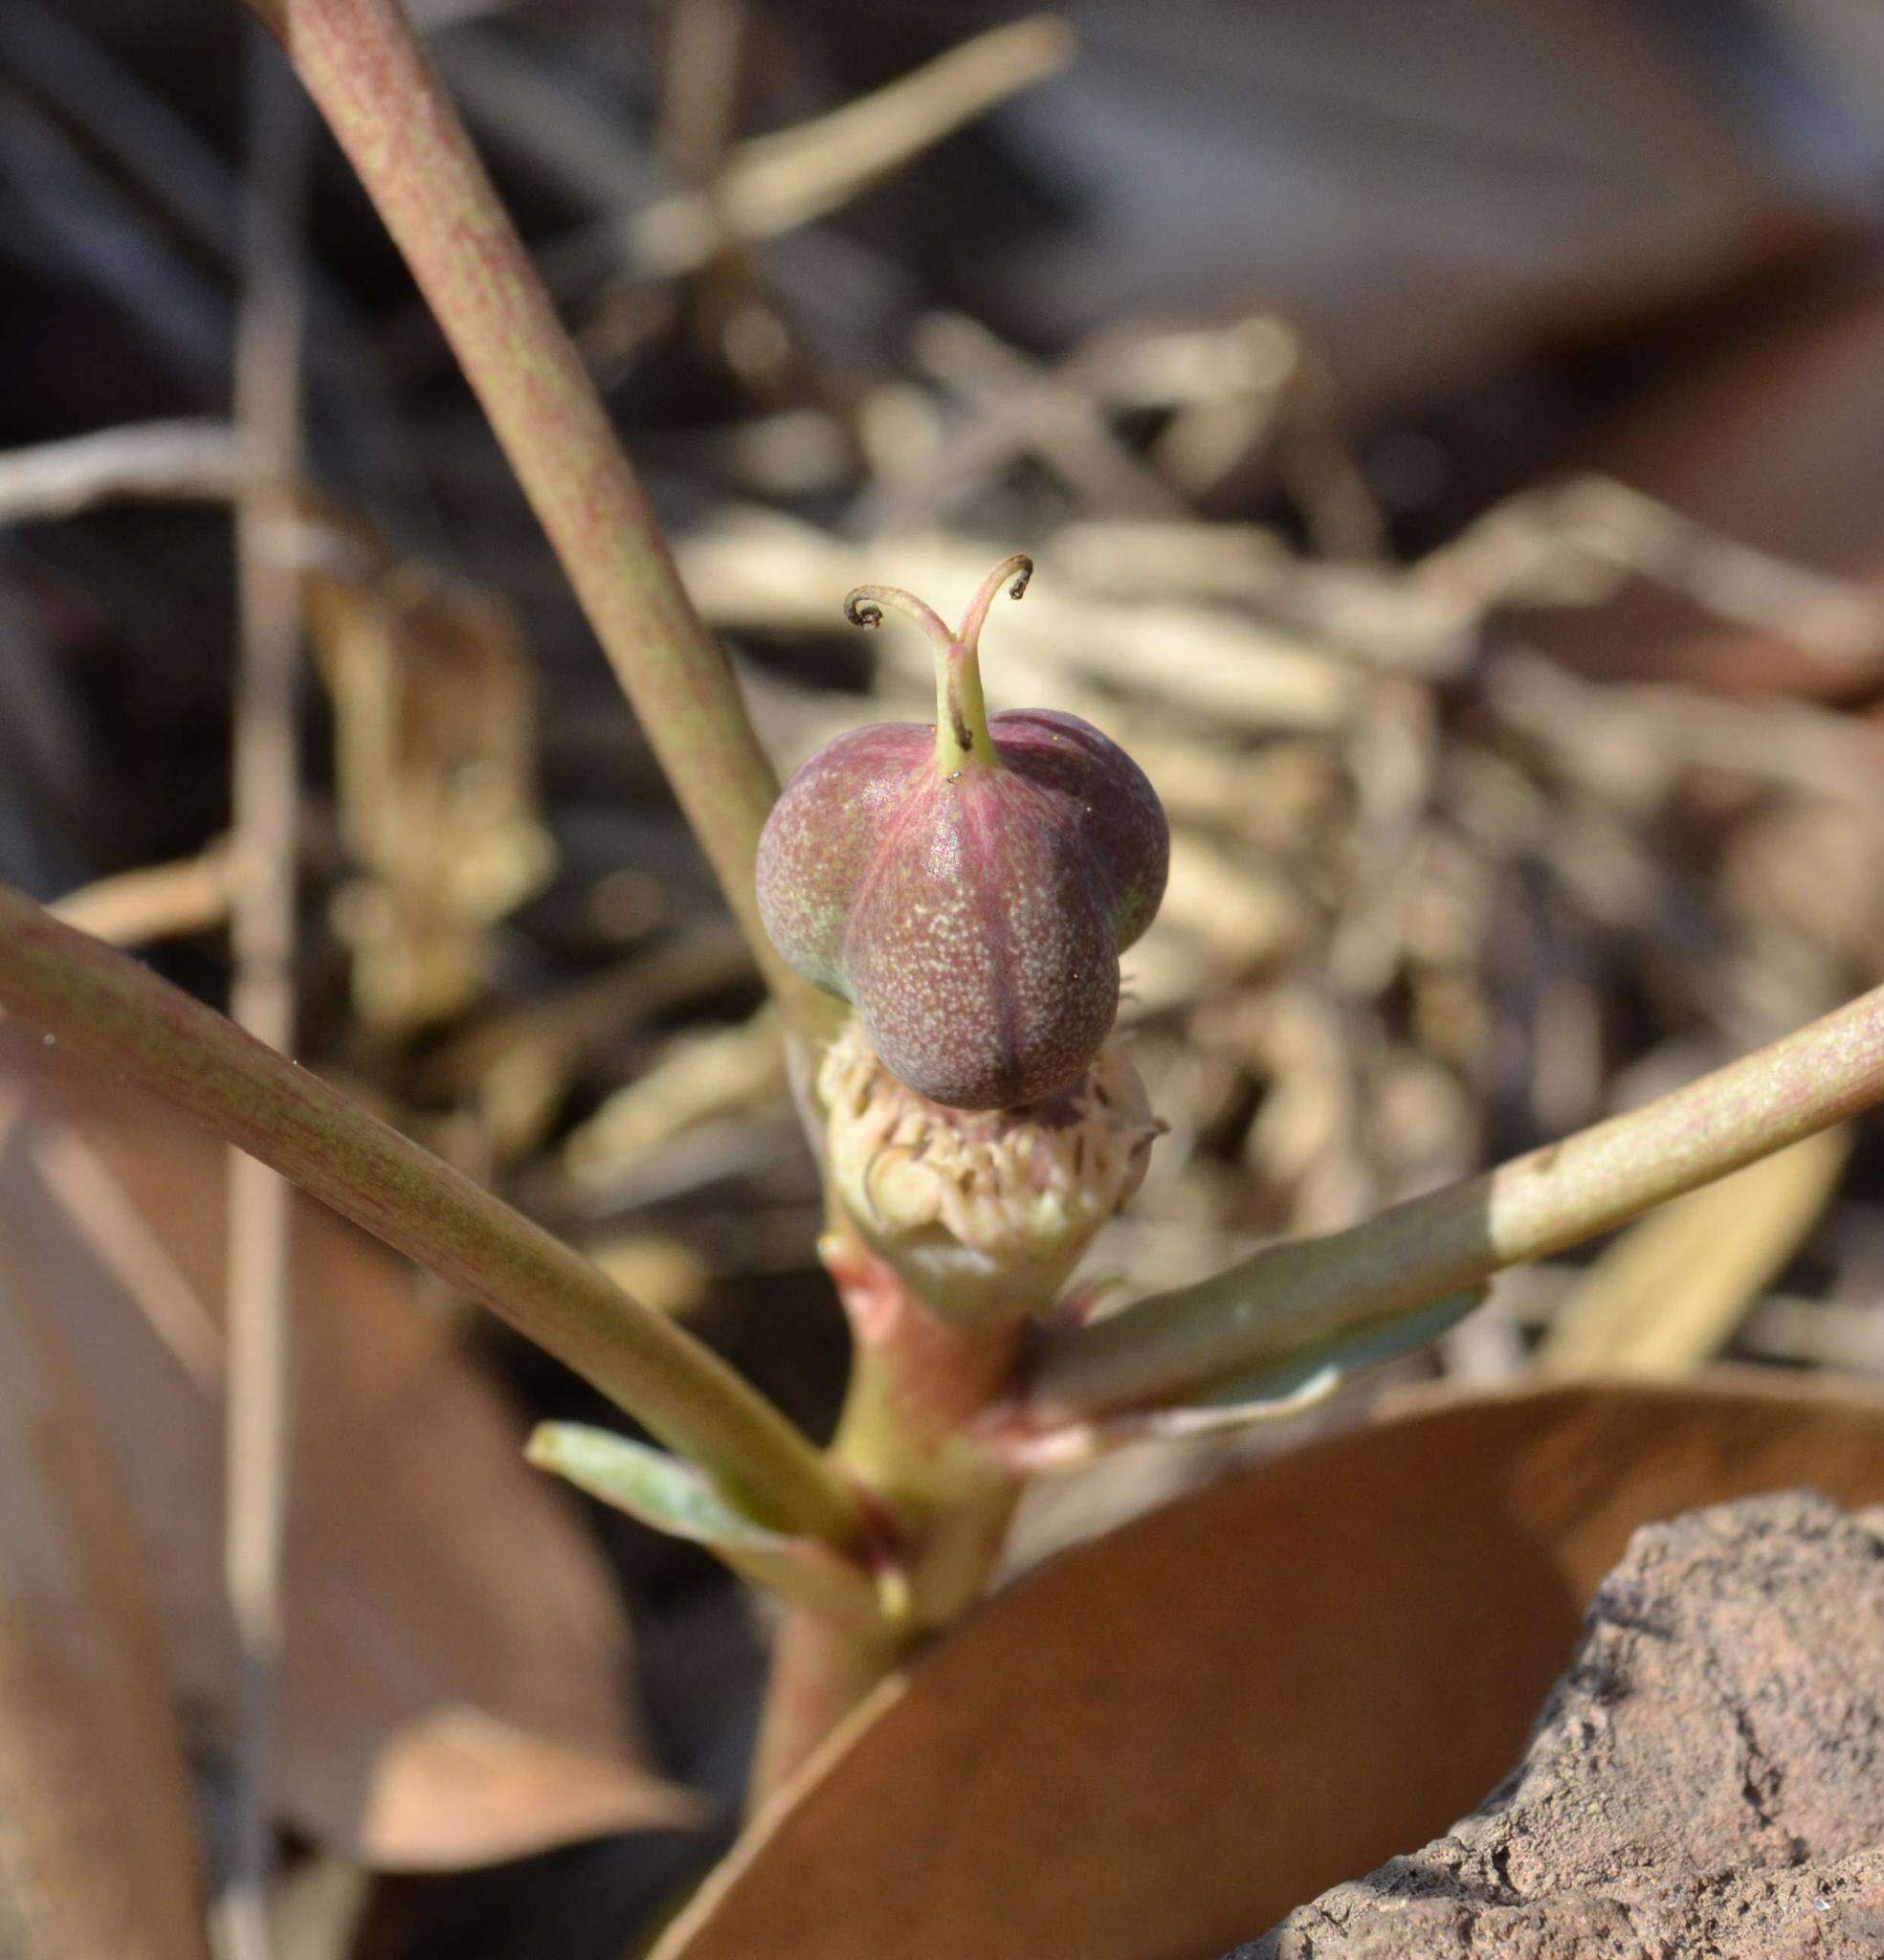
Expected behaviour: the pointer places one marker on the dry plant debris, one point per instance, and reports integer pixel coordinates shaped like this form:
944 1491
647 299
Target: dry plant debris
455 1697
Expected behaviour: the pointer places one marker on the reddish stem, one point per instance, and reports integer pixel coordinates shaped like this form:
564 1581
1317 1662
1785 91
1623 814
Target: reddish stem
908 1437
363 65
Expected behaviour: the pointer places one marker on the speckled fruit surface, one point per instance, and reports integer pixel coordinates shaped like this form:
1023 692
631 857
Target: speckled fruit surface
974 915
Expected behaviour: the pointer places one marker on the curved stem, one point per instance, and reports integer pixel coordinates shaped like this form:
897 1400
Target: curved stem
865 606
1266 1307
363 65
111 1010
1012 574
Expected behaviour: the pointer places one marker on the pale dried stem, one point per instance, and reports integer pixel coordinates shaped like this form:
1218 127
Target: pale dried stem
184 461
155 902
1024 406
1548 545
705 52
265 802
132 1251
771 185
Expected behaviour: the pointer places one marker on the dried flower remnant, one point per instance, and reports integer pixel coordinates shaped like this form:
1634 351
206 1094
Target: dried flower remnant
968 887
983 1213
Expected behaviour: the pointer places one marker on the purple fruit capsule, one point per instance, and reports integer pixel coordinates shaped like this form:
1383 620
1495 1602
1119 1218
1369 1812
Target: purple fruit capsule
968 887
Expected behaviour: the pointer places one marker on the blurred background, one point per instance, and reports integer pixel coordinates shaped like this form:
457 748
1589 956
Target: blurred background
1452 438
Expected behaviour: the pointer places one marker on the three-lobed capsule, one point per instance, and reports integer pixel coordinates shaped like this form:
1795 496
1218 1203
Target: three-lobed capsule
968 887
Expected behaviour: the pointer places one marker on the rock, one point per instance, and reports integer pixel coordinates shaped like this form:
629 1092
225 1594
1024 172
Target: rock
1706 1780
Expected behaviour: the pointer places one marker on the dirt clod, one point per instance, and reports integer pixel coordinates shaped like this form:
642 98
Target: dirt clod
1707 1778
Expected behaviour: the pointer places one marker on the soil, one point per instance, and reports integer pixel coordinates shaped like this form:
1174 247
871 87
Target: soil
1706 1780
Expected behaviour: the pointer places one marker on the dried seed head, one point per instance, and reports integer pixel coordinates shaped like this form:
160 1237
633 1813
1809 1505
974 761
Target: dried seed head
967 886
982 1212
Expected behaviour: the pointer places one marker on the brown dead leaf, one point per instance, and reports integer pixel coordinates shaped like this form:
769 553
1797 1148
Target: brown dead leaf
1158 1744
97 1838
458 1666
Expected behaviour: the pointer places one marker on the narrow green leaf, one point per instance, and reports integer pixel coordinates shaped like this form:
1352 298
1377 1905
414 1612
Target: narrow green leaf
675 1497
1287 1386
1320 1366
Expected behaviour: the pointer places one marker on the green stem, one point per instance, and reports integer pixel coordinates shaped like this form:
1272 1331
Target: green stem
1174 1344
111 1010
962 738
1010 575
361 62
